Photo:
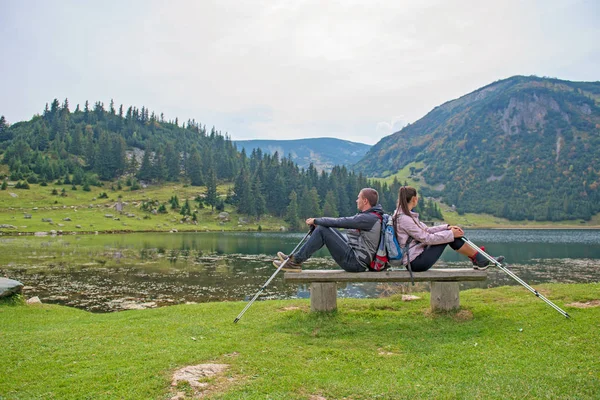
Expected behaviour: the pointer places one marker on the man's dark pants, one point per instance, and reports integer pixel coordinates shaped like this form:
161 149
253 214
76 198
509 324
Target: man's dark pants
337 245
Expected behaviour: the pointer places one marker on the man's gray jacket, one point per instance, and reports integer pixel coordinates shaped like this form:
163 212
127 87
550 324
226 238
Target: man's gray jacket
364 230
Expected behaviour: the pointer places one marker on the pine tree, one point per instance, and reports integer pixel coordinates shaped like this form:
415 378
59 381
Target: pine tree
145 172
194 168
4 185
329 208
211 189
309 204
259 203
291 215
173 162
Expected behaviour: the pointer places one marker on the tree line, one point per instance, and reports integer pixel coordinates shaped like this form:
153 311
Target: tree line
94 144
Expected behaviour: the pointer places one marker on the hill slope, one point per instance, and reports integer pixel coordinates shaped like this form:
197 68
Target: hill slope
324 153
520 148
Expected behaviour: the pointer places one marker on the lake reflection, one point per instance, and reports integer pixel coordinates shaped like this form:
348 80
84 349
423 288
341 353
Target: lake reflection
116 272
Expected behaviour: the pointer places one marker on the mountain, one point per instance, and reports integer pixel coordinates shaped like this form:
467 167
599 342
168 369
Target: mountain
519 148
324 153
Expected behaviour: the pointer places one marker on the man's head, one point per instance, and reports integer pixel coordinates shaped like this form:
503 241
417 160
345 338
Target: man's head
366 199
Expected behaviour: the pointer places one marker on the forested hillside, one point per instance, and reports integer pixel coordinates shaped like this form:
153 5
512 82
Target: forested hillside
93 146
323 153
520 148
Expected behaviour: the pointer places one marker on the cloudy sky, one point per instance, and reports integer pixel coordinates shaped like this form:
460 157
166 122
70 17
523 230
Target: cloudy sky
286 69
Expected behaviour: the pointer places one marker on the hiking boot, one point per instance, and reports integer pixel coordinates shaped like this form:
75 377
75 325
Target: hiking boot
282 256
290 265
482 263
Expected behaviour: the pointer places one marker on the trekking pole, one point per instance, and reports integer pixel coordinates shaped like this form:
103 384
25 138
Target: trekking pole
263 287
515 277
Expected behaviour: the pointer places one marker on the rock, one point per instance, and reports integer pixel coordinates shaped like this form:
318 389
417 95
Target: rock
8 287
173 230
67 219
7 226
154 212
78 226
40 234
409 297
13 195
282 229
27 216
46 219
242 221
108 216
116 219
60 225
224 216
34 208
34 300
53 232
130 215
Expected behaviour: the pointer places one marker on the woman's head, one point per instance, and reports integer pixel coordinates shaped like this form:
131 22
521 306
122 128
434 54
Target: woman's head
406 195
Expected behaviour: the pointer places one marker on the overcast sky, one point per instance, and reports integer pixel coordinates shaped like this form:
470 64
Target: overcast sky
286 69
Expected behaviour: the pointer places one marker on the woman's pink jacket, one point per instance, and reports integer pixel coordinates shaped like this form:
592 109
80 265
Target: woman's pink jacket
421 233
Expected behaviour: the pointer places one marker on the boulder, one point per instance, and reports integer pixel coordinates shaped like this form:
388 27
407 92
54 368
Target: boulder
78 226
13 195
8 287
224 216
34 300
46 219
67 219
108 216
7 226
27 216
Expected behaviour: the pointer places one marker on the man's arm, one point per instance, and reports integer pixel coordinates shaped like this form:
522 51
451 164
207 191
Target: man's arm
364 221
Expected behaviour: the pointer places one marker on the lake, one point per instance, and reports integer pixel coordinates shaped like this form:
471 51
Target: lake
104 273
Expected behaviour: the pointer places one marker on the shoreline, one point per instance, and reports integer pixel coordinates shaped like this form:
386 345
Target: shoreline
127 231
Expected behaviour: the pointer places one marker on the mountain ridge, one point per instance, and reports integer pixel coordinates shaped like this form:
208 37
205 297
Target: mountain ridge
514 148
324 153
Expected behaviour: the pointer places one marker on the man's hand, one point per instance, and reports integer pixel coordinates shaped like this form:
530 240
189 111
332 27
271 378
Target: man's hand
310 221
457 231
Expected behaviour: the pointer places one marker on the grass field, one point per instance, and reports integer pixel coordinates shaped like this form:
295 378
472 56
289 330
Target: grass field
504 344
90 213
93 213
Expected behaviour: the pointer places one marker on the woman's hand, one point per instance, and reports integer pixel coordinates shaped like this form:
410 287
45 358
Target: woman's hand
457 231
310 221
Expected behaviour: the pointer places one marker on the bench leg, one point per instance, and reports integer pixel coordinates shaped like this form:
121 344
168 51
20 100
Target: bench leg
323 296
444 296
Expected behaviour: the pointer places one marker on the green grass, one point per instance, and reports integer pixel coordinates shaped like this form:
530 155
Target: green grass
89 211
404 176
505 343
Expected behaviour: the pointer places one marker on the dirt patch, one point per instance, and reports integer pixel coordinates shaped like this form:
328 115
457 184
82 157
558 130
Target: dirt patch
463 315
316 397
197 381
457 315
292 308
384 352
587 304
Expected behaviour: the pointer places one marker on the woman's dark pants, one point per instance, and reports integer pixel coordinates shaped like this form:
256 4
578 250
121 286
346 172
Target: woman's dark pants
431 254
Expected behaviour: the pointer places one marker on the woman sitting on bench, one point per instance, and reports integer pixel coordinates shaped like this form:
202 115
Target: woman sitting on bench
428 243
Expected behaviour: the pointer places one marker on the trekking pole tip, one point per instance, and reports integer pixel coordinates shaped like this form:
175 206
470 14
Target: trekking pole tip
236 320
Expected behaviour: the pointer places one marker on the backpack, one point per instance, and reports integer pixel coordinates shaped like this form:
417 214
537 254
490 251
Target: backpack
389 249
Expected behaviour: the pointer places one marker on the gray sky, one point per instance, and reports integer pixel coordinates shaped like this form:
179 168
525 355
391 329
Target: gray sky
286 69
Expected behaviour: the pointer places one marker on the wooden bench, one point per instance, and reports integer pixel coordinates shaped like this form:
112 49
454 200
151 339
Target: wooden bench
444 284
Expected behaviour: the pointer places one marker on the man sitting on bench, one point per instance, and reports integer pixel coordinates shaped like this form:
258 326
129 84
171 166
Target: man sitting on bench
354 253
